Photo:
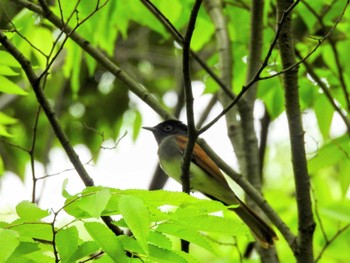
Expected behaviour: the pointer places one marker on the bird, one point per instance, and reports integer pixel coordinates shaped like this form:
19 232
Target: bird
205 176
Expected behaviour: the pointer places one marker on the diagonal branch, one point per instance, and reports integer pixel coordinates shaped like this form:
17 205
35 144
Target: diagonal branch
180 39
51 116
104 61
259 71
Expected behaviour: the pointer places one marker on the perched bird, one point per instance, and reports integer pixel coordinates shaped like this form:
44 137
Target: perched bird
205 176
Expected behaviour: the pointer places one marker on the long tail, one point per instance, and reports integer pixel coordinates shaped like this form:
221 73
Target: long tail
263 233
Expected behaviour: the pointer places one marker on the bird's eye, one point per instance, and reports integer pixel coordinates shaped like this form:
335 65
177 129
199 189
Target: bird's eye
168 128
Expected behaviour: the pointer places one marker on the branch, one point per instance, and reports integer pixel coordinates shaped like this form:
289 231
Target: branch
334 50
102 59
254 194
180 39
306 224
325 90
320 42
258 73
51 116
192 132
330 241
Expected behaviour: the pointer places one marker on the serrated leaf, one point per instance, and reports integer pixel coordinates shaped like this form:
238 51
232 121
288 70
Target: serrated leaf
107 240
216 224
160 240
136 217
24 248
30 212
130 244
8 243
162 197
159 254
37 230
90 205
67 243
186 233
9 87
84 250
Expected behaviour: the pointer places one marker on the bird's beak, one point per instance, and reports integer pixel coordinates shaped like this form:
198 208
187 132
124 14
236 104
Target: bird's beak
152 129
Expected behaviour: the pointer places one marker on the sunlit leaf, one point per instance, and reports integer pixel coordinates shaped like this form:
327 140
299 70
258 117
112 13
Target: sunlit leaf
324 113
136 216
8 243
339 211
67 243
7 86
107 240
7 71
30 212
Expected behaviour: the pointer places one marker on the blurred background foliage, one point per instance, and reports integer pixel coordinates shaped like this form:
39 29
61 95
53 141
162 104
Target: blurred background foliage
93 105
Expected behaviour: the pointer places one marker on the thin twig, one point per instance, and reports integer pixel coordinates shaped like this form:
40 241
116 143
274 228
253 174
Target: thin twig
179 38
331 240
257 75
320 42
334 49
325 90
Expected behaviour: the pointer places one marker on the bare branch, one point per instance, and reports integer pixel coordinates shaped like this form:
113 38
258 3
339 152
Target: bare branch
192 132
306 224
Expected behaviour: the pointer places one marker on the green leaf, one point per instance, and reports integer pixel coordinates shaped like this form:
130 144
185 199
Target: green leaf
344 178
137 125
339 211
23 249
6 119
8 60
67 243
324 114
160 240
30 212
90 203
107 240
202 34
36 230
84 250
7 71
8 243
136 217
4 132
336 150
271 93
159 254
7 86
216 224
186 232
64 191
161 197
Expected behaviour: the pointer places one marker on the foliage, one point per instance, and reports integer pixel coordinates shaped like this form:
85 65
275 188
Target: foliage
93 104
151 216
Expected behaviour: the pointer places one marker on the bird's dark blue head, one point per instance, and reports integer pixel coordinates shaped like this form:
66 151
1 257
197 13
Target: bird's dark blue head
167 128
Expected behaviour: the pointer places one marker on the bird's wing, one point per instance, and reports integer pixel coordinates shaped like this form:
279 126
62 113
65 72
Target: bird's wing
201 158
